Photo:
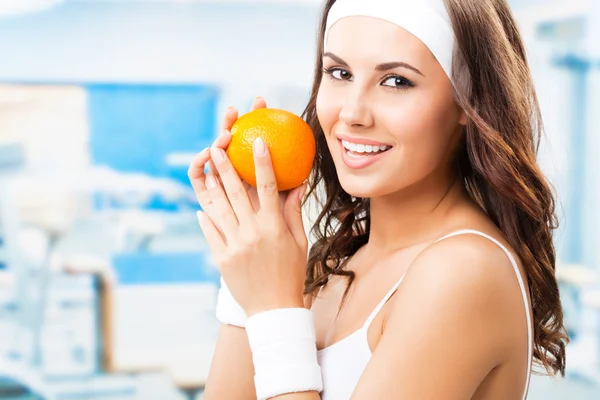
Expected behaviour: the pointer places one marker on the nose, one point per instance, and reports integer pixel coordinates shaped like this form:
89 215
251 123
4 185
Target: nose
355 111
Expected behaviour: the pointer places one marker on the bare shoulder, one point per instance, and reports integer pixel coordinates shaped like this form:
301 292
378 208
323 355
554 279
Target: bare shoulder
465 284
467 261
453 318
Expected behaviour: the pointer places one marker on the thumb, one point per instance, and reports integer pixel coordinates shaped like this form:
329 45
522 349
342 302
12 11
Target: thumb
292 212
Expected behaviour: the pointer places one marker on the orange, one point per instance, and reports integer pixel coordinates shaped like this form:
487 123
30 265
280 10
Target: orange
290 141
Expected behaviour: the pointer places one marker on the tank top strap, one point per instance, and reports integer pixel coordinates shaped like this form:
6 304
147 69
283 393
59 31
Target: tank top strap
390 293
382 303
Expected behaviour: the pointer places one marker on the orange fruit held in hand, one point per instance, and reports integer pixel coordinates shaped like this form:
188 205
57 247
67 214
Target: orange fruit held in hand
290 141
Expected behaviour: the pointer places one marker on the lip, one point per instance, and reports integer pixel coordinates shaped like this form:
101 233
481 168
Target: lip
363 162
360 140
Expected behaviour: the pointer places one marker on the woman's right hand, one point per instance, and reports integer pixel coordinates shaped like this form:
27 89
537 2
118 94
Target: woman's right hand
229 377
196 171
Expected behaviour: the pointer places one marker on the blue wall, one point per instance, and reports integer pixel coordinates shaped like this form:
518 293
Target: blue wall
134 127
169 268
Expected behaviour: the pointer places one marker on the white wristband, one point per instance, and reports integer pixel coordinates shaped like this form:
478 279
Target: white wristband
229 312
284 352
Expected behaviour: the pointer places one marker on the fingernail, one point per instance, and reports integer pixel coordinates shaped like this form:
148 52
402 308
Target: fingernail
217 154
211 183
199 215
259 147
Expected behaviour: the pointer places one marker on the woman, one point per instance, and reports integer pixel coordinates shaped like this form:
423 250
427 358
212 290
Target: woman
432 271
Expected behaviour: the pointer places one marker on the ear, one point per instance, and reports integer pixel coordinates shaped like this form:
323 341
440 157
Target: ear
462 118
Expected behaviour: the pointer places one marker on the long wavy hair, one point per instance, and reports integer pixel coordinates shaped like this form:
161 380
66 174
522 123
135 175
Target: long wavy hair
496 159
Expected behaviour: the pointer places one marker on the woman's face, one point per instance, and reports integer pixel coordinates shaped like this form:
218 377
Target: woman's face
386 107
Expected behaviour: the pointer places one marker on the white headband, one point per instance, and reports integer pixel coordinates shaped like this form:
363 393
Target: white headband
428 20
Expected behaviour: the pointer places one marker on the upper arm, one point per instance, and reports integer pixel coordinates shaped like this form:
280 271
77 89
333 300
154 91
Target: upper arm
231 374
444 330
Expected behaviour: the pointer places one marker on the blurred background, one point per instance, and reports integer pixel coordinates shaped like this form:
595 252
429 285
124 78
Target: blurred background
106 287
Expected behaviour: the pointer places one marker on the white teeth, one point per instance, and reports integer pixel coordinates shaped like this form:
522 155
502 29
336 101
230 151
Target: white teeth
364 148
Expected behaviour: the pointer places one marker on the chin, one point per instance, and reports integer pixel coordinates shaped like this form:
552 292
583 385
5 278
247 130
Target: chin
365 188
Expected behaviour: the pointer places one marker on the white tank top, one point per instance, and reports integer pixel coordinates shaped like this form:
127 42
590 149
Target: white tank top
343 363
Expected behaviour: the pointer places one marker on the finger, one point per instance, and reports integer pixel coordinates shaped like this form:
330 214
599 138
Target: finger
252 195
223 140
282 198
258 102
231 115
225 217
234 188
197 177
266 184
293 214
212 168
211 233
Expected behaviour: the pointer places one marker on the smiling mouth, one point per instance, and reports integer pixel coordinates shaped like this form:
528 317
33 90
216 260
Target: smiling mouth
363 150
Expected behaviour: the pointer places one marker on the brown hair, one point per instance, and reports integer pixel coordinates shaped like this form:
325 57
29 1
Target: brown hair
497 160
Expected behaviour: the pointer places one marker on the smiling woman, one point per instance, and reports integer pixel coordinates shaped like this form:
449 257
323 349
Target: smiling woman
432 273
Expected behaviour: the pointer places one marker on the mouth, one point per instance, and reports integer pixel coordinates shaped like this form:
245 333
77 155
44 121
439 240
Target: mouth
361 153
360 150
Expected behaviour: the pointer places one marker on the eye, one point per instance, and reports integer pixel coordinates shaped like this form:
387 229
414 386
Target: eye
397 82
338 74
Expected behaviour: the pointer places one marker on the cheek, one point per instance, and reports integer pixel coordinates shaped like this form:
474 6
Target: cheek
422 129
328 114
420 121
328 110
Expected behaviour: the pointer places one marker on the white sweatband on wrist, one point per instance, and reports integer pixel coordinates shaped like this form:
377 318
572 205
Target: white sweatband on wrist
284 352
229 311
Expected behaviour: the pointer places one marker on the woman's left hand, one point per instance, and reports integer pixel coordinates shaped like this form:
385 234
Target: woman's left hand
261 255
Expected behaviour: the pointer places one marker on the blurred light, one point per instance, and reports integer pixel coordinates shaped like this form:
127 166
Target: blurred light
14 7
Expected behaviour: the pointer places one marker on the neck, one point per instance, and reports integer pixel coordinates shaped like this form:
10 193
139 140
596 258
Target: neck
414 214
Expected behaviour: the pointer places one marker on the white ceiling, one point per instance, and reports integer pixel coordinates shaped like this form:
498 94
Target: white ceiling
206 1
9 7
512 2
14 4
15 7
20 6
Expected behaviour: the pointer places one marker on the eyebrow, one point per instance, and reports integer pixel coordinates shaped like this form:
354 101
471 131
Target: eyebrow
380 67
